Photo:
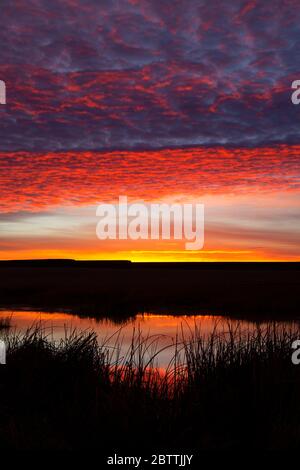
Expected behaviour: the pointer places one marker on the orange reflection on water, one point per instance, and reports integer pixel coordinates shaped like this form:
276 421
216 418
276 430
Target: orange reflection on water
163 330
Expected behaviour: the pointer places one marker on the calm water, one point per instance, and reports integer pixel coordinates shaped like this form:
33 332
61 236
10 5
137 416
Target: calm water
162 329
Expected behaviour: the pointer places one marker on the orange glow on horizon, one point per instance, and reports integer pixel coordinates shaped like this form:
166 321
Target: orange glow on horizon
163 256
251 199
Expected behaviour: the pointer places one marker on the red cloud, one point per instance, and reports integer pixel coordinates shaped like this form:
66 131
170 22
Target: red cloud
35 181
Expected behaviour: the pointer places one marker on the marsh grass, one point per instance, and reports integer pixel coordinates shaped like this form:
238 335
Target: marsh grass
234 389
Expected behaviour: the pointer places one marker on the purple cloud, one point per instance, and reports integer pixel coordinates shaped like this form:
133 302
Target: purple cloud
148 74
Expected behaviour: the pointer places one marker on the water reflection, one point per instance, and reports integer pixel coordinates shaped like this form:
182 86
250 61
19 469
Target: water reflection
163 330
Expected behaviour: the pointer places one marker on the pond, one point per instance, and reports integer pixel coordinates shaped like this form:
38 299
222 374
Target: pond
162 332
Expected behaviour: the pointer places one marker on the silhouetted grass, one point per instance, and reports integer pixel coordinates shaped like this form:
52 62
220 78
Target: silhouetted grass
236 389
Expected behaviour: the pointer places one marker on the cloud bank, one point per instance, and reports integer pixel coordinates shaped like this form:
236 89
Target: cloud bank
110 74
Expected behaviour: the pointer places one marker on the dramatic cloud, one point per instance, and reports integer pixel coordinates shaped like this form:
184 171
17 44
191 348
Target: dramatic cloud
165 100
31 182
131 74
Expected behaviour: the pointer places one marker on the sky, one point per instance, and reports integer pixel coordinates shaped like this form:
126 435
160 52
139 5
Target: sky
173 101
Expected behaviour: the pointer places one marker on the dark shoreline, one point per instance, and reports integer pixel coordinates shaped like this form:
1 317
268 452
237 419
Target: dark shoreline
203 265
252 290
